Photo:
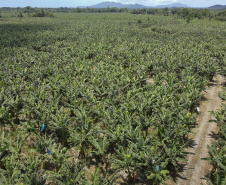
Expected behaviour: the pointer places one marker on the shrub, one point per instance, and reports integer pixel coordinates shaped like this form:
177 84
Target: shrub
42 13
20 15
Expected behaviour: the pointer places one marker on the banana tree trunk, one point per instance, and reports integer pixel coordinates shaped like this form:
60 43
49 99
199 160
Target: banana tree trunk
64 141
43 166
1 165
81 153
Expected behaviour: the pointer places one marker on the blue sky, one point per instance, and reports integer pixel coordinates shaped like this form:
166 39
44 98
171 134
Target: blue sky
75 3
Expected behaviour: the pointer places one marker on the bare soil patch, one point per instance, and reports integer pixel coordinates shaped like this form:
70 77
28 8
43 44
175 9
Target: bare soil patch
150 80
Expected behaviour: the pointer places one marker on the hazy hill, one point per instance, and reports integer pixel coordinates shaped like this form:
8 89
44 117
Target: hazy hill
217 6
173 5
135 6
108 4
139 6
117 5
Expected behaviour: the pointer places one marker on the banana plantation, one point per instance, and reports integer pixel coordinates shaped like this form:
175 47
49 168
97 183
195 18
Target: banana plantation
104 98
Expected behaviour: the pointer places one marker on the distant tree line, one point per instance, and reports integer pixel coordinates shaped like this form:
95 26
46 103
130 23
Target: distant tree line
188 13
100 10
182 12
29 9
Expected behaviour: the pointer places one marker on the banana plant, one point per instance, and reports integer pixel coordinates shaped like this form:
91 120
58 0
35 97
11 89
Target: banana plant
96 177
16 149
60 125
172 153
83 131
42 145
70 174
5 115
116 135
9 112
217 160
37 113
4 109
58 157
30 172
109 178
126 160
101 146
16 105
11 173
36 177
158 176
5 146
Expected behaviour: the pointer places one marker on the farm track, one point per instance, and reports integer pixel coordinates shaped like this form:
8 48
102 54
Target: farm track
196 169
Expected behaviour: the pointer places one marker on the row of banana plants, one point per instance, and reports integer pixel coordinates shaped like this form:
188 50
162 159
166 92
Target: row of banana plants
76 105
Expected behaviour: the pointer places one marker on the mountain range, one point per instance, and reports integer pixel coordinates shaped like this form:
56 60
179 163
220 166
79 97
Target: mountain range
135 6
110 4
117 5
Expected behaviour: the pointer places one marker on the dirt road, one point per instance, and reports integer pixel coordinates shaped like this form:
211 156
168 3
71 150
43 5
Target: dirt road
196 169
